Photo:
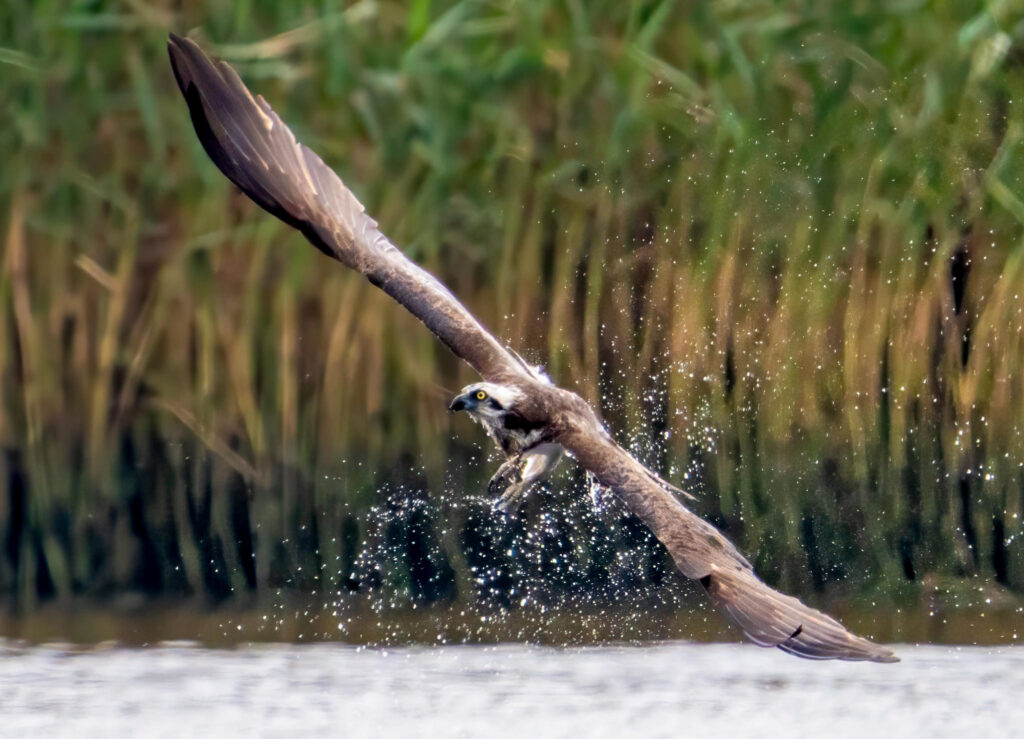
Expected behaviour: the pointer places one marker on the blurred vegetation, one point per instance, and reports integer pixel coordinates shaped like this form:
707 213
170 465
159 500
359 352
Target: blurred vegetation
779 243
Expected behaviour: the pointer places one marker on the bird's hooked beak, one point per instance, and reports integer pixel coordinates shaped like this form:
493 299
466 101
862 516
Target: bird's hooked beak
459 403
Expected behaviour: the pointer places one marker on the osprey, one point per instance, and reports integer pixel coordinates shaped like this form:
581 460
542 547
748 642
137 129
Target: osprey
530 454
531 419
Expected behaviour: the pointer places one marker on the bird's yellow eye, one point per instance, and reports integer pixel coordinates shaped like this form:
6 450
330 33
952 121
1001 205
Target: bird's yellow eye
480 395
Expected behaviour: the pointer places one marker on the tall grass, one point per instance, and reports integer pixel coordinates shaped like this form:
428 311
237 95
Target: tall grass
778 243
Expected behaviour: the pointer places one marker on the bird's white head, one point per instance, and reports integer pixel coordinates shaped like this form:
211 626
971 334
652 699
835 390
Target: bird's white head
485 400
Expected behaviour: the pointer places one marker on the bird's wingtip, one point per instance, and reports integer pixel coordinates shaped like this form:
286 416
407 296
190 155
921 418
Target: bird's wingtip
870 652
178 54
886 656
175 42
181 48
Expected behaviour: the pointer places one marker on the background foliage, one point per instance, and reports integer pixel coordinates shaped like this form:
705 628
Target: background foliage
779 243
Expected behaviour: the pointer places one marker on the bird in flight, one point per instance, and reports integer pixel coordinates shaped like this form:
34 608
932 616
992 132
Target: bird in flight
533 421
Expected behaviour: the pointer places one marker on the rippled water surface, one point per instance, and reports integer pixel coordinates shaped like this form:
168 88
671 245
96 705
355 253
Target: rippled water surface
677 689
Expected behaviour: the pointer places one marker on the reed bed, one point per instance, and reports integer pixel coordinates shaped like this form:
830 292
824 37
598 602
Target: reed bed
779 244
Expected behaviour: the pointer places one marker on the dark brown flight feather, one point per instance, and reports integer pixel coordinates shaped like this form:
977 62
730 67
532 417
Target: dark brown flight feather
256 151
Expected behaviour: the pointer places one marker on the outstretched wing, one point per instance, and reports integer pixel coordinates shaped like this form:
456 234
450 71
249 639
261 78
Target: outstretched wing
250 144
767 617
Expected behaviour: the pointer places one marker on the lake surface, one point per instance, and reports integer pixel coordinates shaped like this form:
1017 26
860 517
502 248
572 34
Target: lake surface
674 689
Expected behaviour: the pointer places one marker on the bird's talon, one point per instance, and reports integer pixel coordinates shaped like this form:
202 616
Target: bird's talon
509 501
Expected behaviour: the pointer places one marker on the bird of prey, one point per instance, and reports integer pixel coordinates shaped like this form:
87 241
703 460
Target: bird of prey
529 455
533 419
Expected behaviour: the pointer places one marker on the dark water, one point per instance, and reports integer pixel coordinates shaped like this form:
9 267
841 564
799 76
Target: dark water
674 689
299 618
